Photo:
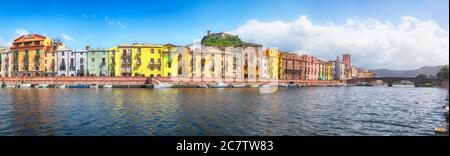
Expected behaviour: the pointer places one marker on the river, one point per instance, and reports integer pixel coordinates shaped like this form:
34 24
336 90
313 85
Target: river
309 111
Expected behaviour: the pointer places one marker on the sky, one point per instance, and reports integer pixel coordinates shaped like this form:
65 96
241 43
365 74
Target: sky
393 34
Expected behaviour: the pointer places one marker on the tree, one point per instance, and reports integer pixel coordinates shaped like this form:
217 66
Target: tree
443 73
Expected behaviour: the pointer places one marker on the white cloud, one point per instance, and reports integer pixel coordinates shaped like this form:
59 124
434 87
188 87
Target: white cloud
93 16
68 38
21 32
114 22
373 44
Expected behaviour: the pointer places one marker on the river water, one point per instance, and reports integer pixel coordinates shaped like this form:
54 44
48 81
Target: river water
307 111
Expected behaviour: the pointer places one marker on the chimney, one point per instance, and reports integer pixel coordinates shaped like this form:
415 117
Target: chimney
208 33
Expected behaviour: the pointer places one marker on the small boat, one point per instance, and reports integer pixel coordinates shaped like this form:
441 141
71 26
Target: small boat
162 86
219 85
254 86
42 86
292 85
93 86
78 86
10 86
238 86
203 86
60 86
107 86
25 85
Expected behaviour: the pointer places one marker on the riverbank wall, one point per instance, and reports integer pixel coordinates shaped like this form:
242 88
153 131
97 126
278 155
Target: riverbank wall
129 81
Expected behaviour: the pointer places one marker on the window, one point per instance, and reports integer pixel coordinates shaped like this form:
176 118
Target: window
152 51
152 61
62 54
93 59
159 61
169 64
159 51
81 60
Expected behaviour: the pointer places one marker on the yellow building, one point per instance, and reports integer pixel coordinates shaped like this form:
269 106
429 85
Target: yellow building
170 59
273 63
28 54
136 60
51 58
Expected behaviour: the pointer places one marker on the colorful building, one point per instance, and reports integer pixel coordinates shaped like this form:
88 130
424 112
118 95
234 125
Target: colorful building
339 70
136 60
28 54
250 53
72 63
51 58
346 59
97 62
291 66
5 68
273 63
311 67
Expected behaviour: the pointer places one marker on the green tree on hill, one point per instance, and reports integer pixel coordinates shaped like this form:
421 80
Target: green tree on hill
225 41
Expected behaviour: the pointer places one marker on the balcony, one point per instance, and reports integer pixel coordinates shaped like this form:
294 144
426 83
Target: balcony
72 68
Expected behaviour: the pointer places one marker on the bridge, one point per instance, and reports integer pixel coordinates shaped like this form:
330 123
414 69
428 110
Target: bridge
390 80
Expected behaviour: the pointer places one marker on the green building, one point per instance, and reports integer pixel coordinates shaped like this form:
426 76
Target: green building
97 62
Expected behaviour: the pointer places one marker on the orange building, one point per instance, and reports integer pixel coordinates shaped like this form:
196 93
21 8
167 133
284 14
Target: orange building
28 54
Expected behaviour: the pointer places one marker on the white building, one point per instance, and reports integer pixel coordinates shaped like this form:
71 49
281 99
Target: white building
5 68
72 63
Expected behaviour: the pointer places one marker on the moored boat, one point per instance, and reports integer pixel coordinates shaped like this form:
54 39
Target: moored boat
238 86
60 86
202 86
107 86
25 85
162 86
78 86
42 86
219 85
93 86
292 85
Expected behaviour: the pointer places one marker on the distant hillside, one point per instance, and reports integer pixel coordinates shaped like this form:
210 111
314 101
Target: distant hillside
427 70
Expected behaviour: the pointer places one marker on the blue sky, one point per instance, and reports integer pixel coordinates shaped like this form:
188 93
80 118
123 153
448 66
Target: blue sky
96 23
416 27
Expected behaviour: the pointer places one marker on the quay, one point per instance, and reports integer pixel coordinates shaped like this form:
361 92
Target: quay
149 82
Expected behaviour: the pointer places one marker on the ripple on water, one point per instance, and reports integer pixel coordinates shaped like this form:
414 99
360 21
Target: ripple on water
302 111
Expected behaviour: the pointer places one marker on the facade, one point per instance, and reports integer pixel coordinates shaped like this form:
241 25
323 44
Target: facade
5 68
366 74
28 54
291 68
311 67
81 62
322 70
346 59
250 54
97 62
273 63
72 63
339 70
51 58
66 63
171 54
136 60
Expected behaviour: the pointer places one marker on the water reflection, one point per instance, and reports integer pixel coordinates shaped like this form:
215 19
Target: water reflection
303 111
